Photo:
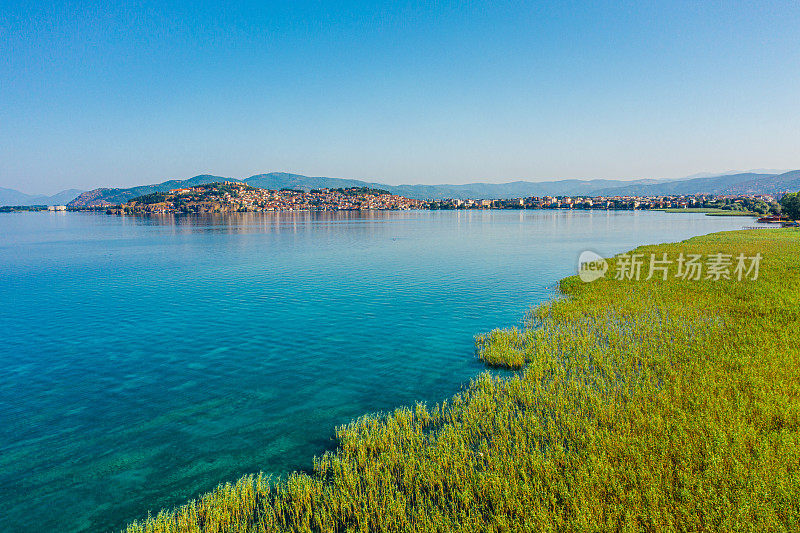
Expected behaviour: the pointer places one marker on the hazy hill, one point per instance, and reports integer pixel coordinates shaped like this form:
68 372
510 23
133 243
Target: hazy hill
731 172
742 183
709 185
788 181
745 183
277 180
98 197
513 189
12 197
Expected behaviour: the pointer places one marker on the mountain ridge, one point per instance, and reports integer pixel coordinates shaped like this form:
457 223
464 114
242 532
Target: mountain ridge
709 185
742 183
14 197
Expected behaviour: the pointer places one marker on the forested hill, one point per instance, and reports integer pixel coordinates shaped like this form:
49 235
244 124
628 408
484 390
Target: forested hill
742 183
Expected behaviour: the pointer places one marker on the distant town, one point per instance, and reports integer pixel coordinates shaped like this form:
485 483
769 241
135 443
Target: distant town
234 196
239 197
756 204
230 196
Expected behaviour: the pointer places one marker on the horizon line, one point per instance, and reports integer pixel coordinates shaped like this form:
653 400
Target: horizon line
699 175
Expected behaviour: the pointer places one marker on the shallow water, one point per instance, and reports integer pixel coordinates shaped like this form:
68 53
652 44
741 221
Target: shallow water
145 360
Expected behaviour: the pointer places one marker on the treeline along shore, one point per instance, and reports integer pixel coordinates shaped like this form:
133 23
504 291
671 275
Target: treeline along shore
660 404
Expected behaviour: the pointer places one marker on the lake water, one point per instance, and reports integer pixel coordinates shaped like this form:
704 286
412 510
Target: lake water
146 360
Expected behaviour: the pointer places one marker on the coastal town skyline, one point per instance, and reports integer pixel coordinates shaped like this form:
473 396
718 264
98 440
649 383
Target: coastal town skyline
227 197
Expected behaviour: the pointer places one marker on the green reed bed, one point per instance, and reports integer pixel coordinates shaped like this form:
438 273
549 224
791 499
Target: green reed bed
711 211
641 406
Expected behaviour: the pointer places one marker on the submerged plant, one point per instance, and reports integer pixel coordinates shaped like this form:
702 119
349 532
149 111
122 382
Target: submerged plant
502 348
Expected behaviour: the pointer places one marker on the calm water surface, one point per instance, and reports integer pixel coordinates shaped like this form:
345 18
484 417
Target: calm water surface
145 360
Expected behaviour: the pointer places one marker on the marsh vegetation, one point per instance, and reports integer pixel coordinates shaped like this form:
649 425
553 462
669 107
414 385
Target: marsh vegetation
640 406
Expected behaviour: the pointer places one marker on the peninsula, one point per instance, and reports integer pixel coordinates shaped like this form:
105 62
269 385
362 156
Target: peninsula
231 196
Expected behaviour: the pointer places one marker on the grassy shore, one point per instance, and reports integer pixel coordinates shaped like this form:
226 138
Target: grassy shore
711 211
641 406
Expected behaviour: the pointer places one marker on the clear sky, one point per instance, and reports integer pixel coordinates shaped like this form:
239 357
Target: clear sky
123 93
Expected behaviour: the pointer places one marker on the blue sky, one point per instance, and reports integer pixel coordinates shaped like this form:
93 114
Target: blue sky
124 93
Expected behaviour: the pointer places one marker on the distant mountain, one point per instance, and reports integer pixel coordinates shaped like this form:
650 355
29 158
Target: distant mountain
788 181
743 183
515 189
730 172
274 180
12 197
278 180
101 197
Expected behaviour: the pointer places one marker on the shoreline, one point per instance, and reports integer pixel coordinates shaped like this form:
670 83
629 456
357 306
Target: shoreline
383 451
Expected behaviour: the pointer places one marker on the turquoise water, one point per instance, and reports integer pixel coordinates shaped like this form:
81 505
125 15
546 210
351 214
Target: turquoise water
145 360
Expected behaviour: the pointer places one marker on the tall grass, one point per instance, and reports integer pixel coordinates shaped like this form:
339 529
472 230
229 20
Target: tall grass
641 406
